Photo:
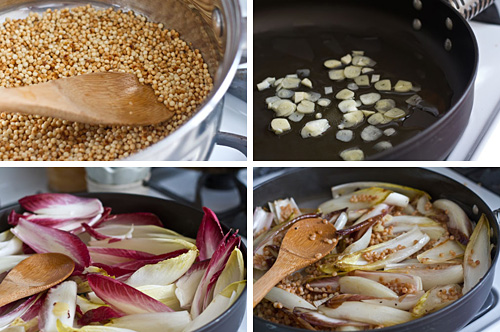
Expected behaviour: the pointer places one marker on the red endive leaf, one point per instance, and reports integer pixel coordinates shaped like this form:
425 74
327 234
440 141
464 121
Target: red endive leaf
124 298
115 255
45 239
62 205
139 218
209 235
98 315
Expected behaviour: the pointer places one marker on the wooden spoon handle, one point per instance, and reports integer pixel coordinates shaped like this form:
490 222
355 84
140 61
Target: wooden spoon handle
8 292
277 272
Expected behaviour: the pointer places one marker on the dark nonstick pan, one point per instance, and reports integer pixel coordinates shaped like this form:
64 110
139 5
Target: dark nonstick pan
180 218
293 34
311 186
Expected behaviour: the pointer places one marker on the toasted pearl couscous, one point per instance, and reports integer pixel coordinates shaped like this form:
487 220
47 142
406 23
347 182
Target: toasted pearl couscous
399 256
81 40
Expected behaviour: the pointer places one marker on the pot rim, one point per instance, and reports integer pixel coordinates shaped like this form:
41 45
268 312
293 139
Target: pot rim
414 323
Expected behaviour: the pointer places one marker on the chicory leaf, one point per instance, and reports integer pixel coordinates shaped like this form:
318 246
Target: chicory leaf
139 218
157 322
59 305
209 235
62 205
100 314
233 271
188 283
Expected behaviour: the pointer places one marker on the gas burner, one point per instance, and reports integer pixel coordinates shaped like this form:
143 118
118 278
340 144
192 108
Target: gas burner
220 189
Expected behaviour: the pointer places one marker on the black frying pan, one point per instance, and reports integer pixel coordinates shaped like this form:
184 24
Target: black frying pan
294 34
311 186
180 218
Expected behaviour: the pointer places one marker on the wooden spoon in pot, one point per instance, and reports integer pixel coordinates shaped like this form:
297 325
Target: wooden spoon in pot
297 250
97 98
34 275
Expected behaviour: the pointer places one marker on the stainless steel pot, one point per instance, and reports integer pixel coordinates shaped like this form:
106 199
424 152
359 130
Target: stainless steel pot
215 27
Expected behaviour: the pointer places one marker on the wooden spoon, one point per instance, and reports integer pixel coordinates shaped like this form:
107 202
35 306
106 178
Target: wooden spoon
297 251
97 98
34 275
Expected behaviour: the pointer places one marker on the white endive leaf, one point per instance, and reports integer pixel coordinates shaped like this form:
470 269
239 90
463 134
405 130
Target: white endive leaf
155 246
164 272
233 271
60 305
90 328
154 322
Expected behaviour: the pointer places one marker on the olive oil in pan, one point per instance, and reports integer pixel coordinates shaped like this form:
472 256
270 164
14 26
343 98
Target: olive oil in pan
398 56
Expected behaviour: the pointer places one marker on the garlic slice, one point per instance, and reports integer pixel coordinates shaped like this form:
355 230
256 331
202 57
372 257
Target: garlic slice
345 94
299 96
358 52
368 113
279 126
352 155
307 82
318 115
414 100
352 119
383 145
346 59
363 61
371 133
370 98
263 85
305 107
278 82
389 131
352 71
367 70
285 93
296 117
271 100
376 119
385 105
290 83
313 96
330 64
395 113
362 80
328 90
324 102
303 72
403 86
284 107
336 75
353 86
315 128
345 135
347 106
384 85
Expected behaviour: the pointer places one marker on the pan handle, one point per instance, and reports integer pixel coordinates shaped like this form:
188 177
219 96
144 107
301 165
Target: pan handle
230 140
497 214
470 8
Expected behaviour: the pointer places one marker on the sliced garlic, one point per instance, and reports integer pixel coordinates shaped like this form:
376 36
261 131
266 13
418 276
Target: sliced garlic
328 90
352 155
345 135
305 107
292 76
403 86
376 119
353 86
296 117
371 133
345 94
313 96
385 105
363 61
332 64
352 119
271 100
347 106
314 128
263 85
362 80
299 96
383 145
358 52
368 113
384 85
395 113
352 71
346 59
274 105
284 108
389 131
290 83
375 78
278 82
414 100
318 116
336 75
279 126
324 102
370 98
285 94
307 82
358 103
367 70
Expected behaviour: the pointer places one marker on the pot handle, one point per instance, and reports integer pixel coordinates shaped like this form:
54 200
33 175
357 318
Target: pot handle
497 214
470 8
230 140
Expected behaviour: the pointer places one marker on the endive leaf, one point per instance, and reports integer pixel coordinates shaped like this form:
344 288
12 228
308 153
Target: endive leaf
188 283
164 272
155 246
209 235
437 298
367 313
357 200
287 299
348 188
59 305
157 322
90 328
233 271
62 205
441 252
